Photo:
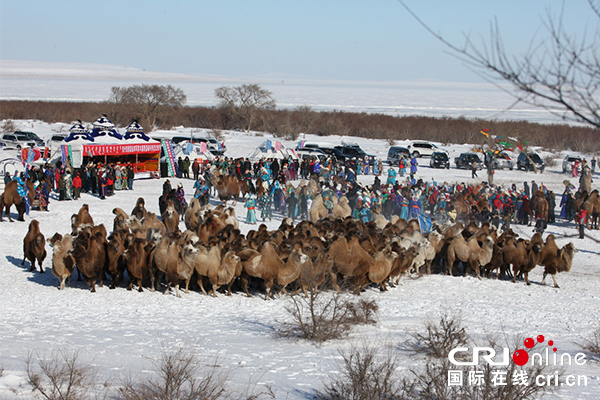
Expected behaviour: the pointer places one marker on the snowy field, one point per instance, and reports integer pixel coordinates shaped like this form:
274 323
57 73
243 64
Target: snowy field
121 332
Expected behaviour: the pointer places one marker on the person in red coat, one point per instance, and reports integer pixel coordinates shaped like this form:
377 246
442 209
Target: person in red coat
76 186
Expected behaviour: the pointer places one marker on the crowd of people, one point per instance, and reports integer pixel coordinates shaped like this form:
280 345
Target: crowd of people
69 183
400 193
394 191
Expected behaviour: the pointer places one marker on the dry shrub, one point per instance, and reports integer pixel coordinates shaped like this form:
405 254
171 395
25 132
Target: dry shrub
177 378
61 376
180 376
366 373
323 316
432 381
592 345
8 126
285 123
550 160
440 337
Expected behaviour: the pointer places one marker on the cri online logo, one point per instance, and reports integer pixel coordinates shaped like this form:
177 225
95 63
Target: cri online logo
520 357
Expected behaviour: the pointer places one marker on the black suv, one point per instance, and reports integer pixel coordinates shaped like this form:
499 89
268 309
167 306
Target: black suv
439 159
394 154
524 163
465 160
350 151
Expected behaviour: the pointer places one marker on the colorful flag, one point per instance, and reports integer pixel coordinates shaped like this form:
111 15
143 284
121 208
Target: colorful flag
168 150
46 153
301 144
203 147
268 145
485 133
277 145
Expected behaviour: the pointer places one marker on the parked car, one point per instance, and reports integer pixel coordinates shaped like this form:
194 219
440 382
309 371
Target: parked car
352 151
17 140
422 149
439 159
503 161
332 151
394 154
524 163
567 165
465 160
310 152
31 136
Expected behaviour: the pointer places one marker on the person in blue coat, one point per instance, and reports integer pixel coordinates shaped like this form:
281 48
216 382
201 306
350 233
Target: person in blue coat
251 206
391 180
22 191
413 167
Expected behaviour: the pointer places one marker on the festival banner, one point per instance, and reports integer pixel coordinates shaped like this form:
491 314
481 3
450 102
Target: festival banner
65 153
168 149
277 145
30 155
268 145
120 149
203 147
46 153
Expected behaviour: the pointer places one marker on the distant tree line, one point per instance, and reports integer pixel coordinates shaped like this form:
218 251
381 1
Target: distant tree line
232 113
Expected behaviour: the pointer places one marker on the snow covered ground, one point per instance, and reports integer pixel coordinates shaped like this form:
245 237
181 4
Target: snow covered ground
119 331
28 80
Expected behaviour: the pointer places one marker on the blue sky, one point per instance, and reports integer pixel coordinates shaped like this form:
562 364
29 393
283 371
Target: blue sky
327 39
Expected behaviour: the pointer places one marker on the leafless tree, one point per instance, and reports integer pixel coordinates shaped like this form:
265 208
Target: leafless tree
245 102
152 101
559 72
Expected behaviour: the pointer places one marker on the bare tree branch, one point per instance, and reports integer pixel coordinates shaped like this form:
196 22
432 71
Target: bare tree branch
559 73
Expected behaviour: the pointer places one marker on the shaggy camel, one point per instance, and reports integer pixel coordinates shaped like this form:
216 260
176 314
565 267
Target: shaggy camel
116 262
34 246
592 206
469 253
90 256
170 218
63 263
228 187
137 264
81 219
565 262
556 260
207 264
381 267
534 254
155 230
120 221
317 209
11 196
192 217
342 209
350 260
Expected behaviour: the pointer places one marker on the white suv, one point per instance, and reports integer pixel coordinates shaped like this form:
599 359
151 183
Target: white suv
422 149
17 140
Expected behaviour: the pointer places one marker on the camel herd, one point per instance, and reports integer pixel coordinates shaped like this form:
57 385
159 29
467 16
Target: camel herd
153 252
